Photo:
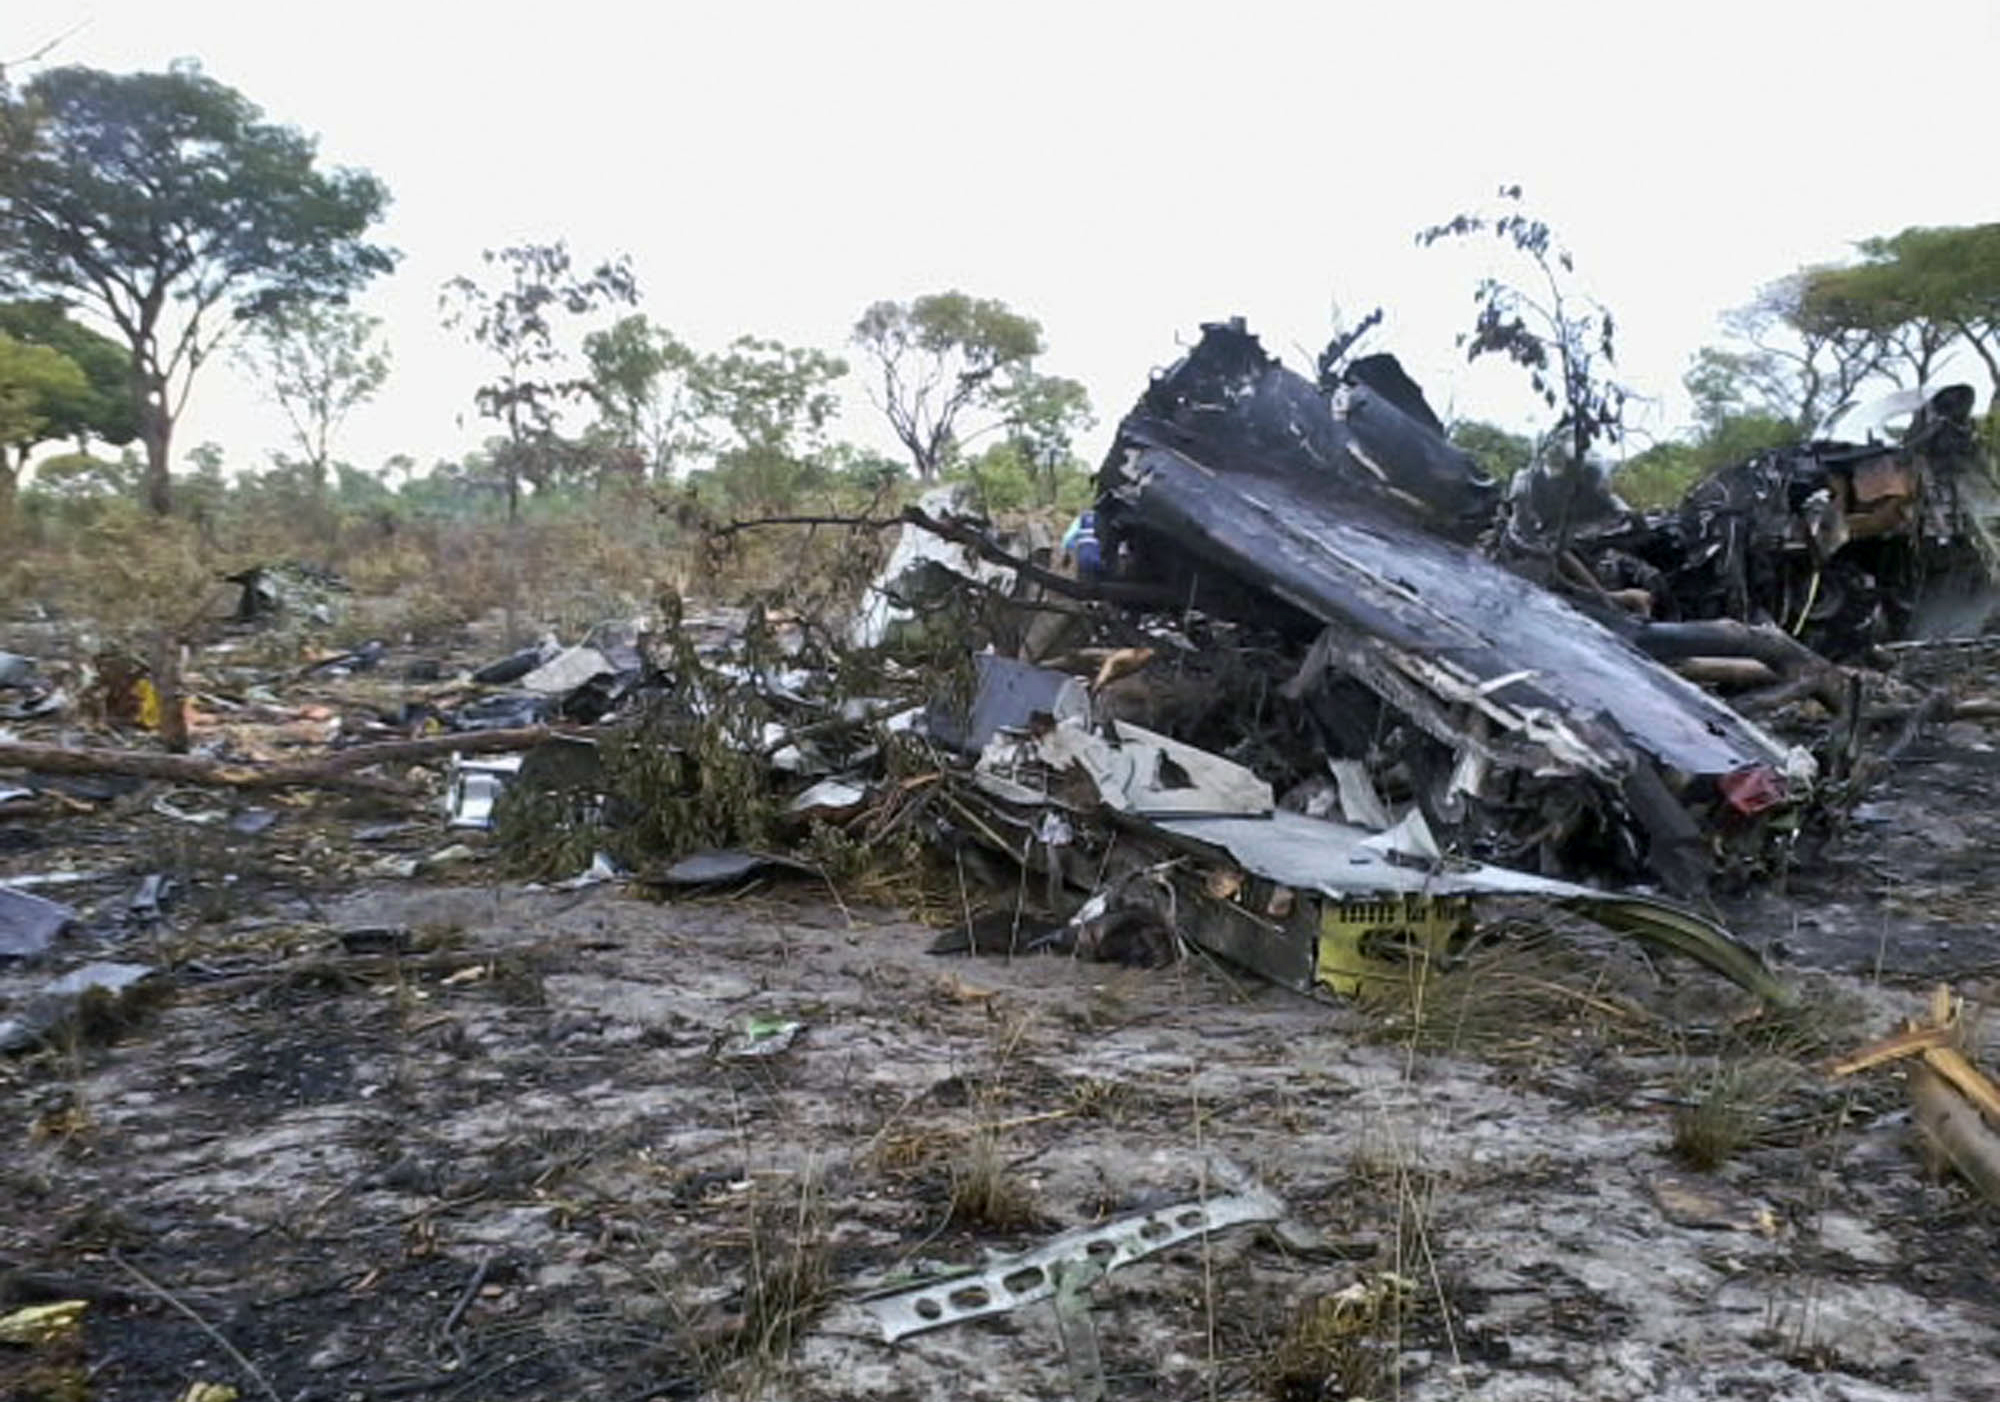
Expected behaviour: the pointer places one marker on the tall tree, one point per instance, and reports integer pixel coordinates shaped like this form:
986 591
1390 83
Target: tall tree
515 321
1926 288
1881 300
1045 413
1793 358
942 356
643 379
319 362
771 395
167 206
768 405
59 380
1500 454
1561 336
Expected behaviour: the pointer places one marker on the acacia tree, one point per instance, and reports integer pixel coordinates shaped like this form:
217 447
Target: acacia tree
318 362
940 357
167 206
1561 336
515 322
1921 291
1794 359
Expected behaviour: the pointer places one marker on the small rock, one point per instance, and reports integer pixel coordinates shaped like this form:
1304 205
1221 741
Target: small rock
1703 1203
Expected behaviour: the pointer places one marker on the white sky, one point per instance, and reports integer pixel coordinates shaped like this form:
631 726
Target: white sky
1122 172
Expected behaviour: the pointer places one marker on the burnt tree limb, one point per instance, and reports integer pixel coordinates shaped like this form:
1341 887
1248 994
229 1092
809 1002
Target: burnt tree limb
1805 672
981 544
339 769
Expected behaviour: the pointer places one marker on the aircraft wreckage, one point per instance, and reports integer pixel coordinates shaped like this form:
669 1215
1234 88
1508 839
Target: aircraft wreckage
1503 669
1304 687
1329 517
1306 684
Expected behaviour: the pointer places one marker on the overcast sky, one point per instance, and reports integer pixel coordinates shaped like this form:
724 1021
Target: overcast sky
1121 172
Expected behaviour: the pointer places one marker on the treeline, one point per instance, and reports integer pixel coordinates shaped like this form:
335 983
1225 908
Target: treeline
150 222
166 210
1807 346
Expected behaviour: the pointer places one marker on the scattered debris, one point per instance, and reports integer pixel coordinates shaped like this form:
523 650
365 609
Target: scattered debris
515 666
270 592
29 924
567 671
719 867
35 1325
376 939
472 787
1009 1282
104 995
1705 1203
759 1037
1957 1104
148 903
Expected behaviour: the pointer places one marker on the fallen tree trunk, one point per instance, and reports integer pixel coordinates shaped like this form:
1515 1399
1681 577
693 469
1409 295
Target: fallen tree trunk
338 769
1951 1123
1726 671
1805 671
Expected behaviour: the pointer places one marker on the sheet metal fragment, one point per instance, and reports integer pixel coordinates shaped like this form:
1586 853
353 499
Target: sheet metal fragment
1012 1281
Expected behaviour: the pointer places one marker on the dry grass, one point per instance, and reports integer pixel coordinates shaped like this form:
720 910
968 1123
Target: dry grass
1339 1345
740 1344
987 1193
1513 1000
1728 1108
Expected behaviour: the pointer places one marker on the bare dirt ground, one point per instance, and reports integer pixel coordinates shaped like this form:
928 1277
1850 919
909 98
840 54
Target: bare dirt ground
507 1152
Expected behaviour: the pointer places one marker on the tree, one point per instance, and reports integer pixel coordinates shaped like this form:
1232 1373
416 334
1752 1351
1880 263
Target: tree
1045 413
941 356
1500 454
515 322
769 405
770 395
318 361
865 469
1563 338
1924 289
643 379
166 204
1799 360
102 409
31 378
79 477
1874 300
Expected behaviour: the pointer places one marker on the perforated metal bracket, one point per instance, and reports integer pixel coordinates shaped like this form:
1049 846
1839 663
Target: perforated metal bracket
1013 1281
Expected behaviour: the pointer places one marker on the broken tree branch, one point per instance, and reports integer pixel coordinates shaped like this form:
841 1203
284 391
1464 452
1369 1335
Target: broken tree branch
1951 1123
181 1306
1869 768
336 770
1726 671
1807 673
723 530
982 545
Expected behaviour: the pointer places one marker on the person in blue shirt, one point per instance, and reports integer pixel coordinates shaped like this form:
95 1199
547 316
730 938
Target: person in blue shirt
1080 543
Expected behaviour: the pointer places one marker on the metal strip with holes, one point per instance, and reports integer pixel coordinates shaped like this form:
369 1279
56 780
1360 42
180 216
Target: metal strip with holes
1013 1281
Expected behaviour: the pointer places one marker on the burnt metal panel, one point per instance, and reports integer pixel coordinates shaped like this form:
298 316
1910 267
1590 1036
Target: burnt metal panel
1342 562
